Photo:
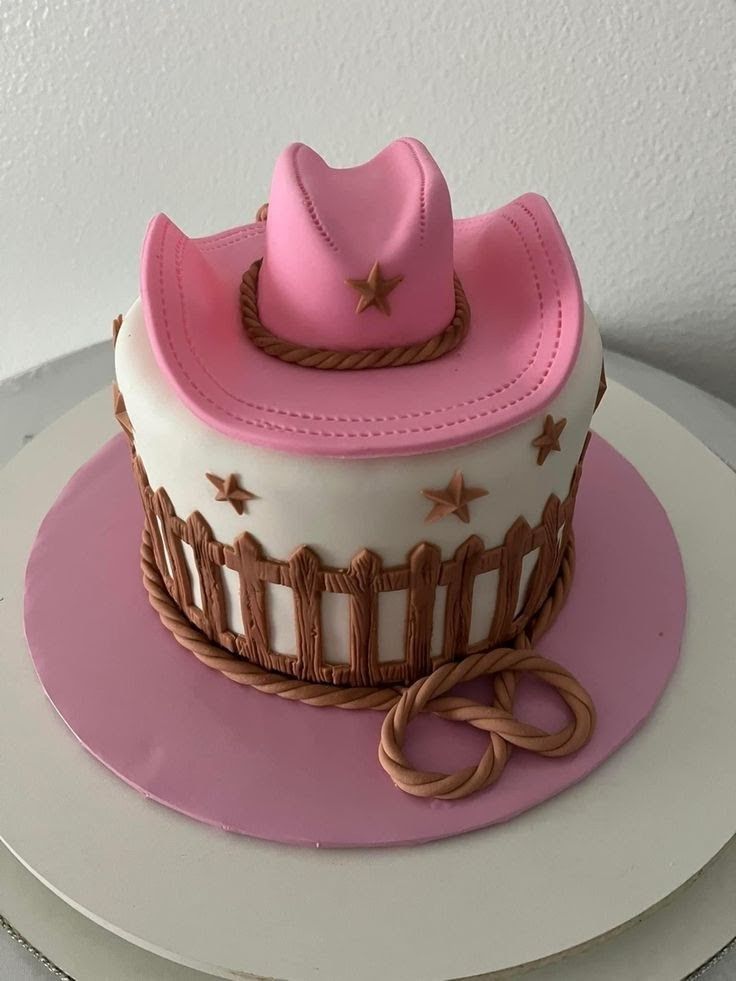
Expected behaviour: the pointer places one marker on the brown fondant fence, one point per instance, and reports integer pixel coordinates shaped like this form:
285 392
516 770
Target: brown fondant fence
363 580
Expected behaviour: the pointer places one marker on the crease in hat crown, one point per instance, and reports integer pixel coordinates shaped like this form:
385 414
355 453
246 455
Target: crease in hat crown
328 226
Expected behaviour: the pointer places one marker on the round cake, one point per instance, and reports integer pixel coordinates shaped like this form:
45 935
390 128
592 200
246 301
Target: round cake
358 425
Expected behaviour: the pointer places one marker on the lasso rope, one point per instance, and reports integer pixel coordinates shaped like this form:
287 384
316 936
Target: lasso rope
427 695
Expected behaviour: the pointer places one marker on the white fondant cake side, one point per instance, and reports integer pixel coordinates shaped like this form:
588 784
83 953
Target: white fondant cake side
338 506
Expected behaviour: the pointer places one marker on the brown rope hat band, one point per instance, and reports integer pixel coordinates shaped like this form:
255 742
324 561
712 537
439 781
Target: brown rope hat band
329 360
427 695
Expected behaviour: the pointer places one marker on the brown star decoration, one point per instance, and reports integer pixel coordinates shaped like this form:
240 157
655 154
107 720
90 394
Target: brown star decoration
549 439
374 290
454 499
602 386
228 489
121 413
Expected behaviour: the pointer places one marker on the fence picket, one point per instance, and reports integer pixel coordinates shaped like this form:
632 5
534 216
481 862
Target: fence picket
304 573
425 563
515 546
546 563
254 644
459 601
364 569
210 577
182 585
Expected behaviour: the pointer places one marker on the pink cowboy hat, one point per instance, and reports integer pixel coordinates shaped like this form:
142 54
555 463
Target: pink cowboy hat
374 325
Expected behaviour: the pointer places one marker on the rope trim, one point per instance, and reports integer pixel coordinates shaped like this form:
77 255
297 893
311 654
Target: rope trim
427 695
330 360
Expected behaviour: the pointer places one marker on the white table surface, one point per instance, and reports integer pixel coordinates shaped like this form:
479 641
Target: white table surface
30 406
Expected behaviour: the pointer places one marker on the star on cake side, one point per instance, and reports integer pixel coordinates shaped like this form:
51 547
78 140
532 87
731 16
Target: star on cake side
229 489
453 499
549 439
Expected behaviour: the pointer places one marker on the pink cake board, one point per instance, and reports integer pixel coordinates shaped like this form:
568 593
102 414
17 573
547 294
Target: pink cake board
253 763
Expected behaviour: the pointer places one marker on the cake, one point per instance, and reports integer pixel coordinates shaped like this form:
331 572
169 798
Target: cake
358 427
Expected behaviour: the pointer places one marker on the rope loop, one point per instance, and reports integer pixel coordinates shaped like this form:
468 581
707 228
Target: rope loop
430 694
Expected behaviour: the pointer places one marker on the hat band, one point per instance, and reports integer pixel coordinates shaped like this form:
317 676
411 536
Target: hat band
329 360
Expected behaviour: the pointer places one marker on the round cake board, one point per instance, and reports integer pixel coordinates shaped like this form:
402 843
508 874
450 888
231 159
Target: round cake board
585 863
260 765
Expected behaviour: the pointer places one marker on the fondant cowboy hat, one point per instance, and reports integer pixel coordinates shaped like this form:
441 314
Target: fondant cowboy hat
359 319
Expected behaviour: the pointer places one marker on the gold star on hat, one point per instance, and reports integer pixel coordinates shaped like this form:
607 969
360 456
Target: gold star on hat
374 290
454 499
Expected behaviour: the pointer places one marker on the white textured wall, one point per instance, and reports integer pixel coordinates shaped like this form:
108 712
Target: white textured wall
620 112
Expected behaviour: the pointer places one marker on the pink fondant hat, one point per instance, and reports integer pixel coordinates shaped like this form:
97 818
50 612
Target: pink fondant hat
359 319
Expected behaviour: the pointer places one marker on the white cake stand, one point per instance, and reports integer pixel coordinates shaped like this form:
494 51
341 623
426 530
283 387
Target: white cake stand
573 870
680 935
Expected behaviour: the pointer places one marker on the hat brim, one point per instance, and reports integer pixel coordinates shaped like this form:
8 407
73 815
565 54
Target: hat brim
525 330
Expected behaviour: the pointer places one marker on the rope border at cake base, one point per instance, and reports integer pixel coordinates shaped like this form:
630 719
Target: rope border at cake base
427 695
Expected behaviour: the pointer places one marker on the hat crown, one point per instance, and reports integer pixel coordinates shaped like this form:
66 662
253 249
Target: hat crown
327 228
